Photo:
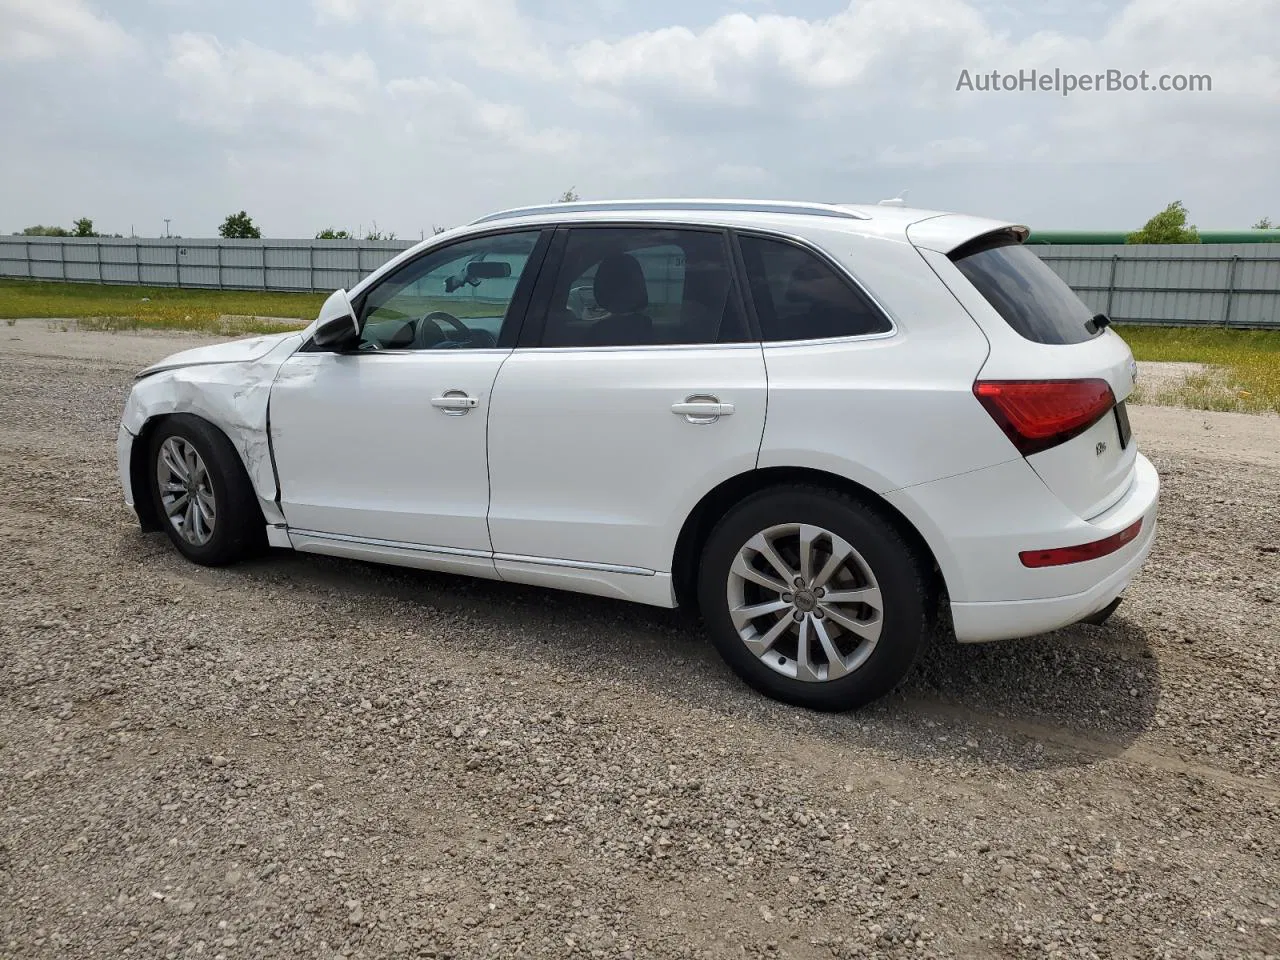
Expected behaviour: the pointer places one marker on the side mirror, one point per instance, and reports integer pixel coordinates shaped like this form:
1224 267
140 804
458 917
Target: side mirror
336 326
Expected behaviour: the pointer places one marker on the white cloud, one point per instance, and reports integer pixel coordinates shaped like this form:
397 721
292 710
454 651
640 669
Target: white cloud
492 33
1237 45
224 87
739 57
617 98
742 173
886 68
935 153
452 111
912 52
49 29
339 11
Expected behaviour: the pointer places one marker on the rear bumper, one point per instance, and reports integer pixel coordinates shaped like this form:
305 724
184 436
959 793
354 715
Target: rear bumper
978 523
1005 620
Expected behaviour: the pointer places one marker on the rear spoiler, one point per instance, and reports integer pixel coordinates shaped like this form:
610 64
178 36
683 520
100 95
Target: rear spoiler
953 233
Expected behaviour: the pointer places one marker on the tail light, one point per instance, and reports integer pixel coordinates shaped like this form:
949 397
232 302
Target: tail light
1057 556
1039 414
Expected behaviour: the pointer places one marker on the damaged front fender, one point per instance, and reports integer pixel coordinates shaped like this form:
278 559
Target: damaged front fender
232 395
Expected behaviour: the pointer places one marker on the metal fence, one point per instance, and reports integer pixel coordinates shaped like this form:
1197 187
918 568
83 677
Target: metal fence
1236 285
1230 285
285 265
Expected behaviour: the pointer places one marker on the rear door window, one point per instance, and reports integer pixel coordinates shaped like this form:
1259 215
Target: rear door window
1033 299
641 286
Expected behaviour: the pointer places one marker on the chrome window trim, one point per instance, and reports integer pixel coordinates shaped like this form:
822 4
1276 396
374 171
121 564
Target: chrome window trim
611 348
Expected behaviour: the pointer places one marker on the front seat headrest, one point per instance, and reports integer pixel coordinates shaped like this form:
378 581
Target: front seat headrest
619 285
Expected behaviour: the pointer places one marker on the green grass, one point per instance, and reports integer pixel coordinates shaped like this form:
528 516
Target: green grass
1245 365
109 307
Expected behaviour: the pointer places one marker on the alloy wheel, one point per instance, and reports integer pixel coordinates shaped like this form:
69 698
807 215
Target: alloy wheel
186 491
805 602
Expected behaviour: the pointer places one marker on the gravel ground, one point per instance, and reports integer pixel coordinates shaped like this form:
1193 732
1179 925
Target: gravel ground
316 758
1157 376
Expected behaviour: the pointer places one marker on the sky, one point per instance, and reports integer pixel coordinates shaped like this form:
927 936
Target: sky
419 113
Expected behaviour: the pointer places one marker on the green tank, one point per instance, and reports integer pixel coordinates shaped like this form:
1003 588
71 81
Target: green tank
1117 236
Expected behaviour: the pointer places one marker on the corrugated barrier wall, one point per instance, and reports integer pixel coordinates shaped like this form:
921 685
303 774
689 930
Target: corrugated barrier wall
1235 285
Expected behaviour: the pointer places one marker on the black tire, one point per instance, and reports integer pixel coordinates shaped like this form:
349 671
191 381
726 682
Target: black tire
239 530
901 574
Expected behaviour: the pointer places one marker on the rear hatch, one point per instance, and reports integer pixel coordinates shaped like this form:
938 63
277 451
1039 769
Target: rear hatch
1056 379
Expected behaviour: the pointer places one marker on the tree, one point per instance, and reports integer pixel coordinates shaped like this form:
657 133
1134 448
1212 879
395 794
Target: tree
569 196
42 231
437 230
83 228
328 233
239 226
375 234
1168 226
1264 224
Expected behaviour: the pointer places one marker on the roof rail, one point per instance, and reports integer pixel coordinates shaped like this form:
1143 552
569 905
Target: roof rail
628 206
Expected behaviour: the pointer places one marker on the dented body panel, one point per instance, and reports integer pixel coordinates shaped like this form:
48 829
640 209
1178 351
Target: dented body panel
228 384
234 351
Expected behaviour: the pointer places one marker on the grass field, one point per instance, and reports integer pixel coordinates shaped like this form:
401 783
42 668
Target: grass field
1246 365
109 307
1245 372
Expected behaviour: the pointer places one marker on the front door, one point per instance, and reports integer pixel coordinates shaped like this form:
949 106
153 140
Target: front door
388 443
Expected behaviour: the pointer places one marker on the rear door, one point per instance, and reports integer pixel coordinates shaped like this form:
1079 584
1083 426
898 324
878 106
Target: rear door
636 389
1040 330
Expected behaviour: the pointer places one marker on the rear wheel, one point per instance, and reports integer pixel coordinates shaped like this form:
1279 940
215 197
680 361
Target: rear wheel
202 494
813 598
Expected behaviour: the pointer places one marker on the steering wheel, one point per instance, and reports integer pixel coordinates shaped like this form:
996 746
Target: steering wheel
481 338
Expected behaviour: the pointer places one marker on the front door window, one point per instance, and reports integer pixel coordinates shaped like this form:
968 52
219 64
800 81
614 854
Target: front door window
455 298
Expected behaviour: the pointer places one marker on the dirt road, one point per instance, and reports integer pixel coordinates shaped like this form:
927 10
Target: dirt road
315 758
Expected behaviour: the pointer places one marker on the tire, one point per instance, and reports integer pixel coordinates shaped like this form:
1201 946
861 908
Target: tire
237 529
882 583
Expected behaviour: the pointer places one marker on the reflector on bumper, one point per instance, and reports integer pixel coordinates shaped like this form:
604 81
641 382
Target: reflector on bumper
1057 556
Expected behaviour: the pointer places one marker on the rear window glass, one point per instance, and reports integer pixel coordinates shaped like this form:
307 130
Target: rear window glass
1032 298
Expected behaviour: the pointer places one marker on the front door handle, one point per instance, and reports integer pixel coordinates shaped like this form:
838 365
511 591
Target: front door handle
454 403
702 409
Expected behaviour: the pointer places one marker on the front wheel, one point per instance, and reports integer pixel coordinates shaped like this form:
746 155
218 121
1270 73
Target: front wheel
813 598
202 493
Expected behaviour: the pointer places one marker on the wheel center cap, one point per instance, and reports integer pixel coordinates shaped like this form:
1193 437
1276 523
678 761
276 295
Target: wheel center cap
805 600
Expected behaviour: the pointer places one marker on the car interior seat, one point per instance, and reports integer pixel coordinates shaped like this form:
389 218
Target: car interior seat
620 288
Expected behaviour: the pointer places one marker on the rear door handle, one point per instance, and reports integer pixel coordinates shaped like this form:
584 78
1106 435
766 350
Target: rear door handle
702 409
454 403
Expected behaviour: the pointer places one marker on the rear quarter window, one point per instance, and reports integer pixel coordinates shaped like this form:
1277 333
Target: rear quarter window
799 297
1033 299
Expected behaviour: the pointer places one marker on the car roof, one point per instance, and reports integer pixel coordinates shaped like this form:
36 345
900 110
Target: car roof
889 221
935 230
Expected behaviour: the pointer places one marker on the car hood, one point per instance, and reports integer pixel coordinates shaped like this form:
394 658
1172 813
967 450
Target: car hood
234 351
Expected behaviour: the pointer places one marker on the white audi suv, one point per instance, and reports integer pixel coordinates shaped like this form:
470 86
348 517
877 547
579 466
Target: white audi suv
823 426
